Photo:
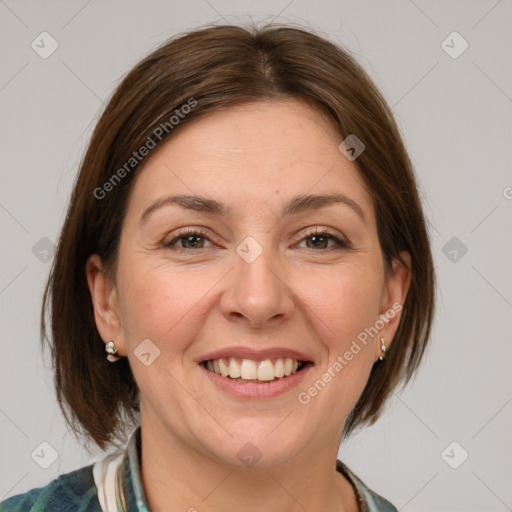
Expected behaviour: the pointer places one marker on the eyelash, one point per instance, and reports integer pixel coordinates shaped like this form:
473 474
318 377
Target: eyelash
319 232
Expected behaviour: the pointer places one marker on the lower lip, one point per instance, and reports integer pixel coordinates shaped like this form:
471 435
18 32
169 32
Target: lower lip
256 390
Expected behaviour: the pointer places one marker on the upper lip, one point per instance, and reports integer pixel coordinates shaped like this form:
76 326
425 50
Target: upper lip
256 355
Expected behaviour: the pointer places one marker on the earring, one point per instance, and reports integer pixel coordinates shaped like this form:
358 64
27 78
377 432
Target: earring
383 348
111 350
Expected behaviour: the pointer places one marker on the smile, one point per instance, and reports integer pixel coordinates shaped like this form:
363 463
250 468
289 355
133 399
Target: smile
249 370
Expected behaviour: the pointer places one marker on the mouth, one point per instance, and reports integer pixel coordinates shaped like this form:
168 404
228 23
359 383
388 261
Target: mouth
255 371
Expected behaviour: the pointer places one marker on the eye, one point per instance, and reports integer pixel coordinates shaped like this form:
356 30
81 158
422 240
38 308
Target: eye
190 239
320 239
315 239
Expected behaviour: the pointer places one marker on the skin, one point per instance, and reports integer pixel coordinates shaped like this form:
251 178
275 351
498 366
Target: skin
192 299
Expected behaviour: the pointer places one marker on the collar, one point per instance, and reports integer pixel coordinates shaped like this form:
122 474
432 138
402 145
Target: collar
131 481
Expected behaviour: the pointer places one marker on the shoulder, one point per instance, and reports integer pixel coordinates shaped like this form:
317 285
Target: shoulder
369 501
71 491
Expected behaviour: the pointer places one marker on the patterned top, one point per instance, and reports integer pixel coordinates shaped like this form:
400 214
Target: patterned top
77 491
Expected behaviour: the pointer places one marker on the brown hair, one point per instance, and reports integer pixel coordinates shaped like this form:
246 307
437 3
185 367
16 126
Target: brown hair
214 68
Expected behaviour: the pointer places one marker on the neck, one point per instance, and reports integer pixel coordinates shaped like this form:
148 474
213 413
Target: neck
178 476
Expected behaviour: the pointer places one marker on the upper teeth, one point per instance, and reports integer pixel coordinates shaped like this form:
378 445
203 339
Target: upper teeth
250 370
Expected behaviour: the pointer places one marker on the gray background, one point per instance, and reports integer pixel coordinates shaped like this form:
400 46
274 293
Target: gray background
455 117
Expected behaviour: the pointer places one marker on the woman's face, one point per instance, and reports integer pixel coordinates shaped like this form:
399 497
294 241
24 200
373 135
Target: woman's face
229 249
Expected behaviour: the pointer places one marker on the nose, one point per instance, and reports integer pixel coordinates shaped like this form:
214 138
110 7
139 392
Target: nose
258 293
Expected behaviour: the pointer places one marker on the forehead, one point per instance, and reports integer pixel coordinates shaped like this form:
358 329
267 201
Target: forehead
252 154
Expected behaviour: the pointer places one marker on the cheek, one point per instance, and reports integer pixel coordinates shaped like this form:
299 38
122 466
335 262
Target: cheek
345 301
345 305
342 303
165 306
159 302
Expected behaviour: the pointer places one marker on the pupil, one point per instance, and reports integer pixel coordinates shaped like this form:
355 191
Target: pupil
319 239
193 240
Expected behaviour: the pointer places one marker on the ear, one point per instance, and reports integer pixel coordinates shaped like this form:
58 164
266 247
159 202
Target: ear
393 298
104 301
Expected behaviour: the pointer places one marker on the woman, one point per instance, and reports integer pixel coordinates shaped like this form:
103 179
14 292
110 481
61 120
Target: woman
246 243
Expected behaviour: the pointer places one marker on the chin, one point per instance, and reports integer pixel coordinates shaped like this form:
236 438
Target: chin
263 447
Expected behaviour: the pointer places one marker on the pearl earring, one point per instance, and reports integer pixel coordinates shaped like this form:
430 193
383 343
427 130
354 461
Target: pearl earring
383 348
111 350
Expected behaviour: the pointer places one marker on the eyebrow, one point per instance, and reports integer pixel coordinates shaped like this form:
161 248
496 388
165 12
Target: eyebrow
296 205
